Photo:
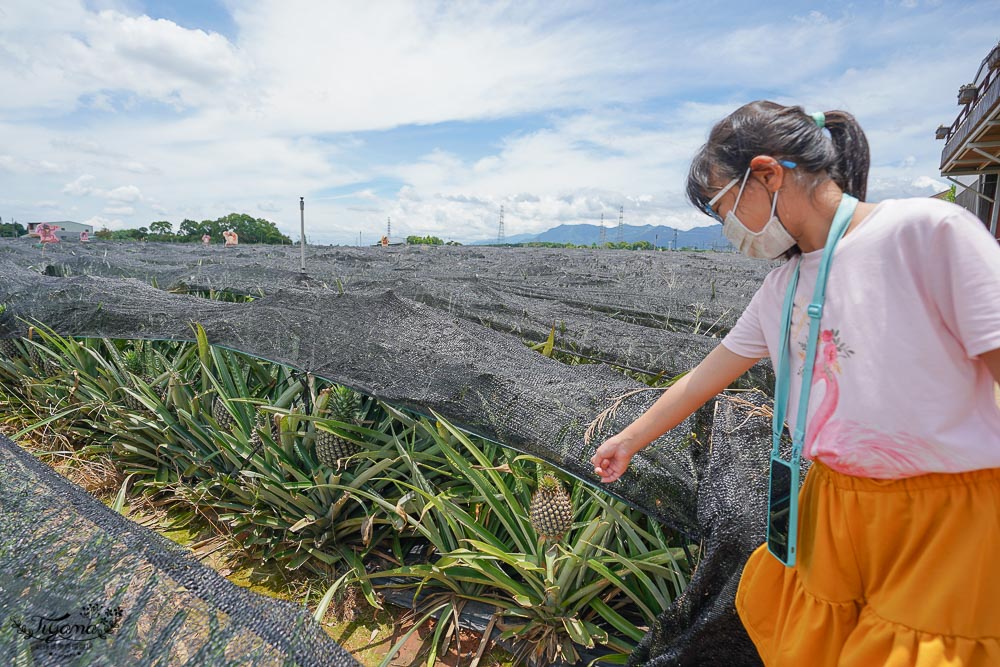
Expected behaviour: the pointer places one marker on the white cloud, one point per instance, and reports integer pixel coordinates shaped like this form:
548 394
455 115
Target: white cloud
25 165
124 193
363 65
83 186
119 210
78 145
62 55
80 187
928 183
136 167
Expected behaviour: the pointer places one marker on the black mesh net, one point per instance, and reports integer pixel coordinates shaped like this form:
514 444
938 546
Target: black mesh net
82 585
430 328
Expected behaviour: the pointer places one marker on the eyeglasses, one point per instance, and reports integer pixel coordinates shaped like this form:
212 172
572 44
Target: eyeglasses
710 212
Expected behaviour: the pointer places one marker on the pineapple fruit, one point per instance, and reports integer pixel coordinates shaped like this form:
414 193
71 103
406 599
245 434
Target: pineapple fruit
262 424
551 510
222 416
8 349
331 448
133 364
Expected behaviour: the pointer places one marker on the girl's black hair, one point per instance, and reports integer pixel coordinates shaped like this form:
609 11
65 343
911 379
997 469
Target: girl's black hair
786 133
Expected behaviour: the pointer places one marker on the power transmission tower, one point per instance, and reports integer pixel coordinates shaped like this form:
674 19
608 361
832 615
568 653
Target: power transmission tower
500 234
604 233
675 240
621 224
388 228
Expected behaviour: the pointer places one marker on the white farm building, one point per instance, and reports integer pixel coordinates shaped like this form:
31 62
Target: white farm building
65 230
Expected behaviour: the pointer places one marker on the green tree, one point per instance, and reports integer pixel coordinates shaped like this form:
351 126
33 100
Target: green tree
12 229
161 227
190 230
424 240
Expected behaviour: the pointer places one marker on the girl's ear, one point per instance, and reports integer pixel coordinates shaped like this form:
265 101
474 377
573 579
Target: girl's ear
768 172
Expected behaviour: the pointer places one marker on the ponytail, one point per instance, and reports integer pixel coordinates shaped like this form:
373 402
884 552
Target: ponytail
850 171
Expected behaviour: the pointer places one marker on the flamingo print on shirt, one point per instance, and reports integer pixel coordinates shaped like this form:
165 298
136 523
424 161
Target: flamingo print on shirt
853 448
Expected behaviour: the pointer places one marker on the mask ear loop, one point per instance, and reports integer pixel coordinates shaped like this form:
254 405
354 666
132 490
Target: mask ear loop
739 194
774 202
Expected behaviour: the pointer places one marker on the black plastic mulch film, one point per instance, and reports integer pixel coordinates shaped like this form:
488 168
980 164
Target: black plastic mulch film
428 328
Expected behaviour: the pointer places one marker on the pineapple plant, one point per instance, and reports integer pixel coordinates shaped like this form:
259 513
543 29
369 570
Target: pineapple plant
331 448
551 510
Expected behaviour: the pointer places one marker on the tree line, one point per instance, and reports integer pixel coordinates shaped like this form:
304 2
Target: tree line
428 240
12 229
249 229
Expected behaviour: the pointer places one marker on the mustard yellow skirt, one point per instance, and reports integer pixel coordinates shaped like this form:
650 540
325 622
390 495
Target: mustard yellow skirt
890 572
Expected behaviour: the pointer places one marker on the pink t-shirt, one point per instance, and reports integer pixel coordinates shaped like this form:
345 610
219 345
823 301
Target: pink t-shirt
913 297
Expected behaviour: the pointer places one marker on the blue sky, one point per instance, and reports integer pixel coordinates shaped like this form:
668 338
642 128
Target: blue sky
122 112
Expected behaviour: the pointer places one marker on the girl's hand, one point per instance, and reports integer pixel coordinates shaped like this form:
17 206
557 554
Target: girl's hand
712 375
612 458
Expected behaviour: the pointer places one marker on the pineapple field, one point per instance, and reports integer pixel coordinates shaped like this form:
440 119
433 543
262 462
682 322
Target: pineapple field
407 426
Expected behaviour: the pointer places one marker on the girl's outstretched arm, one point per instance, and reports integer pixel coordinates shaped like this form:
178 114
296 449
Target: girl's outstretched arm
716 372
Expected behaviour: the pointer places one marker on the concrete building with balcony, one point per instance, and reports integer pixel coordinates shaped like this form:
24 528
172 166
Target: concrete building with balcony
971 154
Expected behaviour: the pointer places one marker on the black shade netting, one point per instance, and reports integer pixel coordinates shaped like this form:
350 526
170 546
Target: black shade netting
659 311
430 329
82 585
702 627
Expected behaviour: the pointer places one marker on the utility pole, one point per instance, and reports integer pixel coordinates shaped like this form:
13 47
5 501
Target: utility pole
621 224
604 233
302 235
500 234
359 239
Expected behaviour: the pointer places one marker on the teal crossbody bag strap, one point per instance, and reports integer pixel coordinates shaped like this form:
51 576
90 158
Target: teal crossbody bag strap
841 220
815 311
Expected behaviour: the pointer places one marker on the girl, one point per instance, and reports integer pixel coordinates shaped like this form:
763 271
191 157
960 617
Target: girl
899 517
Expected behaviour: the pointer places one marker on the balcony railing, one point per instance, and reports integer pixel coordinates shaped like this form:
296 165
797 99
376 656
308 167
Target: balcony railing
973 112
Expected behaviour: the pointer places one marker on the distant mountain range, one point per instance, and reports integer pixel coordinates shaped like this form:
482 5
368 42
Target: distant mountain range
700 238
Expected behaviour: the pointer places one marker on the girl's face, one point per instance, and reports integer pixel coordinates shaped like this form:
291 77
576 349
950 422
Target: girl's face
754 207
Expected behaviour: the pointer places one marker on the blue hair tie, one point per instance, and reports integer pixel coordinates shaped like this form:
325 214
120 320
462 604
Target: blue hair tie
819 118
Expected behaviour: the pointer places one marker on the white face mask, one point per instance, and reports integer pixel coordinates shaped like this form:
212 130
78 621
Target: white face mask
769 243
